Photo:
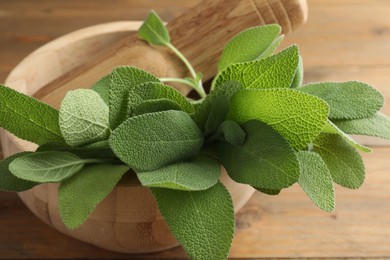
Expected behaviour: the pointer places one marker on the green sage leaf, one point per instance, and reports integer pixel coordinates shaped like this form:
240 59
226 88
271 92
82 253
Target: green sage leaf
123 79
276 71
102 87
155 105
218 112
268 191
202 221
151 141
200 173
248 45
232 132
153 30
45 167
8 181
347 100
316 180
265 160
28 118
344 163
84 117
377 125
298 117
298 78
79 195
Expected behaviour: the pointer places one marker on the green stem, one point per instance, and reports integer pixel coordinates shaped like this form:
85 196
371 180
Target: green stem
198 89
185 61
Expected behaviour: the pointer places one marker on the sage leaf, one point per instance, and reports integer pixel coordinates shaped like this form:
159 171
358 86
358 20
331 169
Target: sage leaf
377 125
202 111
271 48
150 141
28 118
155 105
347 100
298 78
154 91
79 195
200 173
268 191
265 160
45 167
316 181
123 79
8 181
298 117
84 117
232 132
277 71
344 163
248 45
202 221
153 30
331 128
102 87
218 112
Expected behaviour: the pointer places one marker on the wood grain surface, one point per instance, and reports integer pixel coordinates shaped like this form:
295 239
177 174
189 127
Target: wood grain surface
343 40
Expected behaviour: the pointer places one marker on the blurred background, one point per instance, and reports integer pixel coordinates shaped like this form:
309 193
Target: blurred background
342 40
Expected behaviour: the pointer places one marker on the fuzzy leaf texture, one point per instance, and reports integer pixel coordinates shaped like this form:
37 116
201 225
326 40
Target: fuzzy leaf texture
28 118
277 71
153 30
79 195
232 132
154 91
84 117
200 173
8 181
377 125
102 87
298 78
248 45
202 221
331 128
151 141
46 167
155 105
218 112
265 160
344 163
316 180
298 117
347 100
123 79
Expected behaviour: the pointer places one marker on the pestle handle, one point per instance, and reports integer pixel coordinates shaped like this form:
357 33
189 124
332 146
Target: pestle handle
200 34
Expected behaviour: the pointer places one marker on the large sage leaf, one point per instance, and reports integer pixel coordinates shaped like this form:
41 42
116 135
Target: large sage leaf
344 163
84 117
298 117
150 141
316 180
265 160
347 100
28 118
79 195
200 173
202 221
44 167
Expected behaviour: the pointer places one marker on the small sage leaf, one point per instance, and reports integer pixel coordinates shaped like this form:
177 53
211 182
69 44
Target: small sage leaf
347 100
232 132
154 31
298 78
79 195
265 160
102 87
268 191
202 221
83 117
200 173
344 163
8 181
28 118
45 167
150 141
155 105
316 180
248 45
218 112
299 123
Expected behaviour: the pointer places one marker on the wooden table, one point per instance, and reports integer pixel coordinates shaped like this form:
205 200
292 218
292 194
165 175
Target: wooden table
343 40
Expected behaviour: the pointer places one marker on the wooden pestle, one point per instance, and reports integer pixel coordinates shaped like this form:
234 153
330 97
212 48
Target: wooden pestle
200 34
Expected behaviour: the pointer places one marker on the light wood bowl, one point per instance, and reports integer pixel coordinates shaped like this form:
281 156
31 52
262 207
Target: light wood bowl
128 220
